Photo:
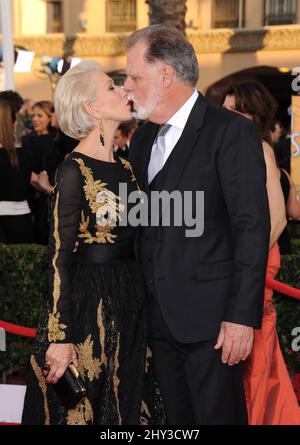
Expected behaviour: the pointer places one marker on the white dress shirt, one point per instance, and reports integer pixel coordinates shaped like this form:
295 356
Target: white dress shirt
178 122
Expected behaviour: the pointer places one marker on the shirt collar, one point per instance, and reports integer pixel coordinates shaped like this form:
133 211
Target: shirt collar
181 116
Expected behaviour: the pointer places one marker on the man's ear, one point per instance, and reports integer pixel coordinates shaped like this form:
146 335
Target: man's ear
168 75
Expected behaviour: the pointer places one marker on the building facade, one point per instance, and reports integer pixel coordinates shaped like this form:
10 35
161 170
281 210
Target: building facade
230 36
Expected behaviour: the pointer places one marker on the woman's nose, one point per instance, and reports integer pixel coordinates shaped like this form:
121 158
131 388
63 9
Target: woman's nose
121 91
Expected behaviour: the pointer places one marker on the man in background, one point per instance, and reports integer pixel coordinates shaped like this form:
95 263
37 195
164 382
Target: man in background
123 137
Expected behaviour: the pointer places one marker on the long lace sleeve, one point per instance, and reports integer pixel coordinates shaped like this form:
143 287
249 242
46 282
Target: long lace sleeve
65 217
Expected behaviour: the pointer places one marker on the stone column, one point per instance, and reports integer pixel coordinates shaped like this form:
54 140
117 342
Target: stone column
7 44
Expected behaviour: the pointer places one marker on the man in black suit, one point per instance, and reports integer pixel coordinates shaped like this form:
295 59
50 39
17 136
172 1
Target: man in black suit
206 288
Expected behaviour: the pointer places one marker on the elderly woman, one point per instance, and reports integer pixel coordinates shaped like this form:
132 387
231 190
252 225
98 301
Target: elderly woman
95 317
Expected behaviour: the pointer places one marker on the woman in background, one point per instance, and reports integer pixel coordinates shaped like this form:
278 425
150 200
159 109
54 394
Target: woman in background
41 140
45 158
270 396
16 167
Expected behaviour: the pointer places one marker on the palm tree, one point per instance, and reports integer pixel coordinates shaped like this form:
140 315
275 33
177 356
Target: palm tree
171 12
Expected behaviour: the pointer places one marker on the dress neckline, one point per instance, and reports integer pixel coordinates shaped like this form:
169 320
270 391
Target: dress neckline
116 162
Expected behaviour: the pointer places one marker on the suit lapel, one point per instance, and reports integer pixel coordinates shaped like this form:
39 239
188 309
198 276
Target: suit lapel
183 149
174 166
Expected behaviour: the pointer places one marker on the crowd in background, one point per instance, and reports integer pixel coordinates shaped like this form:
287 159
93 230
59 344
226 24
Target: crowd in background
32 146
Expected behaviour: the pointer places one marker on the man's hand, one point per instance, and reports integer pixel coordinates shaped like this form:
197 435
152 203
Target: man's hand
236 341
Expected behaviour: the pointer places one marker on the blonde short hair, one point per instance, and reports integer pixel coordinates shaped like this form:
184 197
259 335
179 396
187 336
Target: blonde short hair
73 90
46 106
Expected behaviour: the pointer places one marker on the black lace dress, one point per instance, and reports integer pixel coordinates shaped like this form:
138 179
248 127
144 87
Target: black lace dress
97 301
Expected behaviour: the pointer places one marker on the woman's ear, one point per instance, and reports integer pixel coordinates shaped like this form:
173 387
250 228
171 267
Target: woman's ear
87 108
90 109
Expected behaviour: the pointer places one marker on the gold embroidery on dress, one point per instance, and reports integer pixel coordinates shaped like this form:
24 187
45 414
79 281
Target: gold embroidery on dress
86 362
56 286
55 329
84 224
82 414
91 187
103 359
128 166
145 414
116 379
148 357
104 203
42 384
103 233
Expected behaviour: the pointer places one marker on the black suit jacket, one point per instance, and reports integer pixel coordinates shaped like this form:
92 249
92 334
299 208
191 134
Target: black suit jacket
123 153
219 276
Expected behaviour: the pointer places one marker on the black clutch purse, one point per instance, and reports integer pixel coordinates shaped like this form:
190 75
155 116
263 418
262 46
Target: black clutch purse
70 388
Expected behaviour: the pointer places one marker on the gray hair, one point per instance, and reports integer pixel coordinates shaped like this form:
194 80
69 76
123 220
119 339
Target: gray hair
166 43
74 89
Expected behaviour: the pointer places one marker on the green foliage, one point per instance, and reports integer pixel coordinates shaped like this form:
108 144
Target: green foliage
294 230
23 285
296 246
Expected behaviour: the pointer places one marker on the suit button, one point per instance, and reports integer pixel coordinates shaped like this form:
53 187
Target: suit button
149 260
150 282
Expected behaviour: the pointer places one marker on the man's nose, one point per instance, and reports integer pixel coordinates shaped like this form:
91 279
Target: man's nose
126 85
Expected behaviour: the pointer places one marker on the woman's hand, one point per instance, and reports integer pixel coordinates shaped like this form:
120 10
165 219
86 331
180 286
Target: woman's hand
34 180
44 183
58 357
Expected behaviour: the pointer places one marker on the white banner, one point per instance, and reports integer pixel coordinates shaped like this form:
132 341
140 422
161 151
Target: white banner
11 403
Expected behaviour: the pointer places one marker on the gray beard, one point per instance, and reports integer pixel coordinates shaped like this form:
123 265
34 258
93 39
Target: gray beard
141 113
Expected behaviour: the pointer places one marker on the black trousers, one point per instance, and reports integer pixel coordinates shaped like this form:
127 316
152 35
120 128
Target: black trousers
16 229
197 388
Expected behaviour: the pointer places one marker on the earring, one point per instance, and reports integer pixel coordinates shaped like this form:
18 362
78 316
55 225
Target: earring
101 134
